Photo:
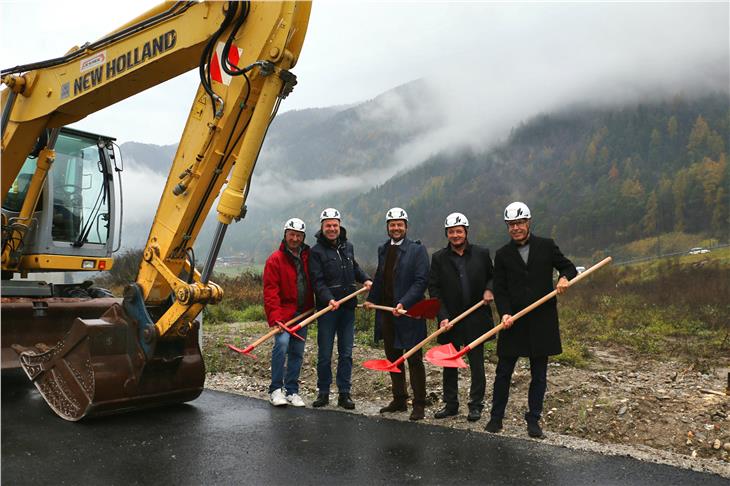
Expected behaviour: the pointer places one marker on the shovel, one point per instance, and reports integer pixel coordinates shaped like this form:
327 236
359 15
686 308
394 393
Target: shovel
425 309
274 330
447 356
385 365
293 330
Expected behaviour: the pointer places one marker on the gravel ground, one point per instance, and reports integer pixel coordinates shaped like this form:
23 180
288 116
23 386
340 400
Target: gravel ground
662 412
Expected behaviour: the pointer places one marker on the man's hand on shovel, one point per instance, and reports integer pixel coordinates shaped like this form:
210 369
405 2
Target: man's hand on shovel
488 297
562 285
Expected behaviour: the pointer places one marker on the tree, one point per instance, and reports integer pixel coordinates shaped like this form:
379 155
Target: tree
679 189
672 127
720 223
649 222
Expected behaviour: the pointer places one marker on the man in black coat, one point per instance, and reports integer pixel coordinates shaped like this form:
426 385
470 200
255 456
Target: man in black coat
523 273
400 282
461 276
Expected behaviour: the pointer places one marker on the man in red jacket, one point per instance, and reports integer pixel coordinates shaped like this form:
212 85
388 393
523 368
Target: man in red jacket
287 293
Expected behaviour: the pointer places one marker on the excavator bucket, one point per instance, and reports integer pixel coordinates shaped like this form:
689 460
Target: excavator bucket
99 367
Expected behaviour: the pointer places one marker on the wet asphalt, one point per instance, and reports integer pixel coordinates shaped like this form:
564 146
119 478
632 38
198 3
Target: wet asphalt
222 438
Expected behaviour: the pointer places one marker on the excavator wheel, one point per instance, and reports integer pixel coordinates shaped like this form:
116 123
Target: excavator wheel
100 368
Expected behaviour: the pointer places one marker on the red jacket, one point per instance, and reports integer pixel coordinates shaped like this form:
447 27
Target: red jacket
280 285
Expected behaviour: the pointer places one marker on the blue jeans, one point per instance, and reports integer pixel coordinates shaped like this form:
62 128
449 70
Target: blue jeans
290 350
342 323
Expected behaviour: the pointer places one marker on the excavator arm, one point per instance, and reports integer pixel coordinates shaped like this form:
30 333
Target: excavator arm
146 351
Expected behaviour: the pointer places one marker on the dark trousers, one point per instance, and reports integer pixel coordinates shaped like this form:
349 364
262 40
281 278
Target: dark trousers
478 382
536 394
416 370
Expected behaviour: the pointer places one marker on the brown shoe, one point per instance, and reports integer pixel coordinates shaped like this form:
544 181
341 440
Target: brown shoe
418 413
395 406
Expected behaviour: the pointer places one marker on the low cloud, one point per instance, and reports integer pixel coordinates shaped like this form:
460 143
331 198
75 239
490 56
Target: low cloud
142 190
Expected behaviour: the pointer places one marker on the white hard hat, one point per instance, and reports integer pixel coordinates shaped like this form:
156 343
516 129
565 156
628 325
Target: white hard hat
396 213
295 224
329 213
456 219
516 210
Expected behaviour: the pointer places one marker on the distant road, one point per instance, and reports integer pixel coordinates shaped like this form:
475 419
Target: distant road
619 261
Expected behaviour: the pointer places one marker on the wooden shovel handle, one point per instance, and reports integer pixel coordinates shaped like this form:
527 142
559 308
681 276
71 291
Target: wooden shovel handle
538 303
384 308
310 319
442 330
276 329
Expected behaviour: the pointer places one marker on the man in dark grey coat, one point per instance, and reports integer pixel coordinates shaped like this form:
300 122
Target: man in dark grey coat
461 276
523 273
400 282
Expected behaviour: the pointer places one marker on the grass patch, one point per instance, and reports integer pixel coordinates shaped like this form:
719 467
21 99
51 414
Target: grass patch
668 310
251 313
223 313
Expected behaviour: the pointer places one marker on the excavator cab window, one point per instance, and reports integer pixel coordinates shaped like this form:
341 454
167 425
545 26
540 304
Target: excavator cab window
19 188
80 179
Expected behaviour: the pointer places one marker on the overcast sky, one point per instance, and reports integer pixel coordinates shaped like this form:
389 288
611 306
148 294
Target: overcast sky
542 53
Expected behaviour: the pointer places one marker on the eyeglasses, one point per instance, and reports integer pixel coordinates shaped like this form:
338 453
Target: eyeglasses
519 222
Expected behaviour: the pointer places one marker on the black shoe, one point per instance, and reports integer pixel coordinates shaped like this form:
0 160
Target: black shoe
321 400
474 415
494 425
345 402
395 406
534 430
446 412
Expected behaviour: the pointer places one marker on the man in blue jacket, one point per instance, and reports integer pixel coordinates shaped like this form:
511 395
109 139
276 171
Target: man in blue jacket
400 281
334 271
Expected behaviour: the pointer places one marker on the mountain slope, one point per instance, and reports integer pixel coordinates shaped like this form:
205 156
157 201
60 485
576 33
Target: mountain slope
594 178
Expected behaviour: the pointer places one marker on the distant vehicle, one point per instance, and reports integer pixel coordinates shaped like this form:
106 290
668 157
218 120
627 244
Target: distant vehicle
698 251
580 269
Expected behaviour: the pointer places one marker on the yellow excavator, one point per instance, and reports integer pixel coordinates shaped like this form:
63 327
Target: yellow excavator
87 352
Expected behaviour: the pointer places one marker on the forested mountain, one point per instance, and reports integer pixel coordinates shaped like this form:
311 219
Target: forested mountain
595 178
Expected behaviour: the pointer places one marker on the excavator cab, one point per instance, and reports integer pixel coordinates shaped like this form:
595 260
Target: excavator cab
76 215
71 229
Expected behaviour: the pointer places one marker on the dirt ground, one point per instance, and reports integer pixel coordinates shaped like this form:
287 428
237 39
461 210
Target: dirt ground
658 411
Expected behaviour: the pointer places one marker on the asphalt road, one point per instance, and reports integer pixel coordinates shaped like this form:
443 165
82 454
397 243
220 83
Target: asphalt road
228 439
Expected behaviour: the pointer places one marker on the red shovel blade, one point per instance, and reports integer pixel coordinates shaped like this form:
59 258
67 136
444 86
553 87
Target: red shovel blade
441 352
445 356
245 352
381 365
449 363
425 309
